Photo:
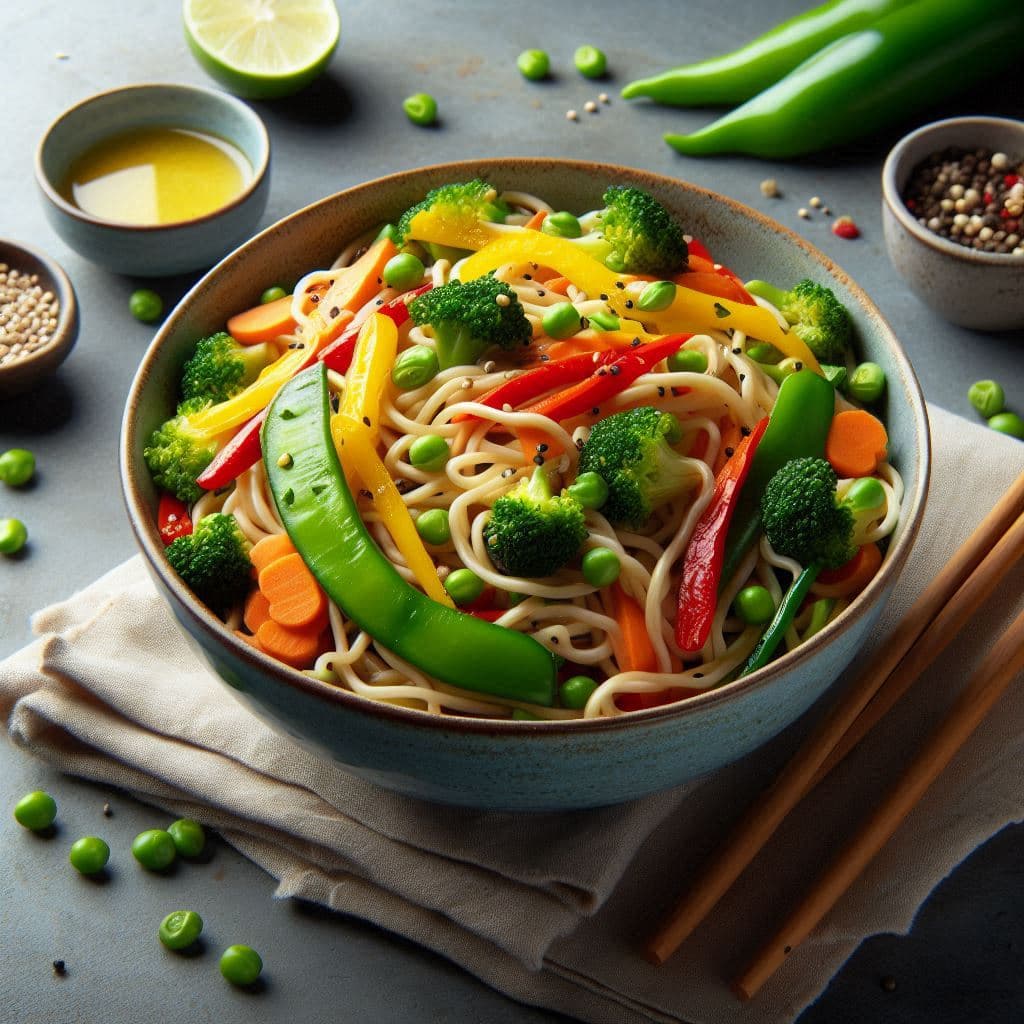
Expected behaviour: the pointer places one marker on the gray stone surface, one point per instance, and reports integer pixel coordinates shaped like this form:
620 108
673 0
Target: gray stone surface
961 963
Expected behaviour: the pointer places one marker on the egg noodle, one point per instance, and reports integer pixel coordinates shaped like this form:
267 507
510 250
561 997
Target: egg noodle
563 612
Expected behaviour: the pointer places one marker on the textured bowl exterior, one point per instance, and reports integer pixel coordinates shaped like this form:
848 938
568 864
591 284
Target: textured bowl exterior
154 251
981 290
506 764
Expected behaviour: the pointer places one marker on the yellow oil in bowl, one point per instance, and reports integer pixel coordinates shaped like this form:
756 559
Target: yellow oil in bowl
156 176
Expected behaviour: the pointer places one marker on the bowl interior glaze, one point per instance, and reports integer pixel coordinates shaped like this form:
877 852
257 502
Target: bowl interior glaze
513 764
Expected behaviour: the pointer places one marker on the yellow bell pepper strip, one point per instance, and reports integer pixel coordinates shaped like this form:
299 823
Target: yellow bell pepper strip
358 453
369 372
690 312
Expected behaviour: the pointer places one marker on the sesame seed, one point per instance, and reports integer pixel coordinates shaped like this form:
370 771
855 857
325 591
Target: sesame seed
501 299
590 107
571 115
603 97
803 213
770 188
815 201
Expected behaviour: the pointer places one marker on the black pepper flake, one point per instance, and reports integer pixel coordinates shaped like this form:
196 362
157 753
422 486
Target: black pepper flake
554 639
661 391
295 344
107 812
602 372
615 370
721 312
730 452
745 431
584 323
541 293
506 473
335 401
579 444
334 311
787 949
314 298
380 280
544 358
366 421
603 297
542 447
888 983
538 460
528 277
379 302
364 493
698 675
799 365
629 303
737 351
742 377
596 411
620 284
60 968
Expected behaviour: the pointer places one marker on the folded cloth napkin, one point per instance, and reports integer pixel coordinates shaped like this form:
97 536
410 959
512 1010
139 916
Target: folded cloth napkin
549 908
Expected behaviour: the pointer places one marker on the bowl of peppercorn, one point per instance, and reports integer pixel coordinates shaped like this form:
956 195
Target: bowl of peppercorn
953 216
38 317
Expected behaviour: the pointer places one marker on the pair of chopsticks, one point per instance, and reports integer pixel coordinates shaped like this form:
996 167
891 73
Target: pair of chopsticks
933 621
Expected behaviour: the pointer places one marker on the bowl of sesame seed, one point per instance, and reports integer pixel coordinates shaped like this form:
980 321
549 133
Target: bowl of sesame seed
953 217
38 317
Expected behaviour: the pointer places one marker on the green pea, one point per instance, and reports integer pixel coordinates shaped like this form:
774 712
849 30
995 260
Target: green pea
754 605
762 352
429 453
576 691
188 835
89 855
433 527
421 109
463 586
589 489
864 495
533 64
403 271
36 810
13 536
144 304
561 224
604 321
415 367
154 849
562 321
601 567
867 382
17 466
590 61
522 715
1005 422
835 375
180 929
688 360
241 965
987 396
272 295
658 295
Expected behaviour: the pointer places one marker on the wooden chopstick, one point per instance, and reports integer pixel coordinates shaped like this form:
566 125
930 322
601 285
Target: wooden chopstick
761 820
993 675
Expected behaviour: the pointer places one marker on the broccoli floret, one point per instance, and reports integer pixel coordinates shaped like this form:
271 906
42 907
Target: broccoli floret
816 316
474 198
177 453
532 532
632 452
636 234
213 561
469 318
220 367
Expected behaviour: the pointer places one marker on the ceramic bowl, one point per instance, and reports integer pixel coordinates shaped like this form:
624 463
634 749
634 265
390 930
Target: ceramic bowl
983 290
154 251
520 764
21 373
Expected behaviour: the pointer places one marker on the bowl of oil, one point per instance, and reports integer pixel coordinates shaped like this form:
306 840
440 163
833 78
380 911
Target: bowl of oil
153 180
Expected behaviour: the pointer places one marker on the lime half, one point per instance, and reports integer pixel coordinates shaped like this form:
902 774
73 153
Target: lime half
262 49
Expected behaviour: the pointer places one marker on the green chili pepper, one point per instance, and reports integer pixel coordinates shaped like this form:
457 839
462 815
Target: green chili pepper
324 525
735 77
862 82
797 427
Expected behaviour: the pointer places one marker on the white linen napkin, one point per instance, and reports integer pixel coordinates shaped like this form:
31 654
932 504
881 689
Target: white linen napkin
549 908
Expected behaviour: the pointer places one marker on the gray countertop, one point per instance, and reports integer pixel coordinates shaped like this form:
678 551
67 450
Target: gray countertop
962 960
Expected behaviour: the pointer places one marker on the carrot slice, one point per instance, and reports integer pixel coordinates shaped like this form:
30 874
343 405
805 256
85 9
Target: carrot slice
263 323
636 653
354 286
558 285
856 443
270 549
295 597
295 647
257 610
731 437
536 220
852 577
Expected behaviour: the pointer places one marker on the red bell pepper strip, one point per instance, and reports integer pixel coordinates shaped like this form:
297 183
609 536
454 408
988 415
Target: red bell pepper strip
608 380
172 519
702 563
338 355
541 379
695 247
241 452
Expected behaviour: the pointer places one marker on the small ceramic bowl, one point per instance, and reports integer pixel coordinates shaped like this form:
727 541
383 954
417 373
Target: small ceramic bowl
154 250
983 290
22 364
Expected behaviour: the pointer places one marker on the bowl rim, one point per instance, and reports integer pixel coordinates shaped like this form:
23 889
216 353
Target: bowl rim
147 536
23 371
259 171
891 190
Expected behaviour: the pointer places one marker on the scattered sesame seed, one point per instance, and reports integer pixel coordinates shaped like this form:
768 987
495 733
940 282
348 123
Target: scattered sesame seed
804 213
603 97
770 188
815 201
490 366
467 384
590 107
571 115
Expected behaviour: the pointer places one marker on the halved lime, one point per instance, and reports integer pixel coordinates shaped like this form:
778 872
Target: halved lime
262 49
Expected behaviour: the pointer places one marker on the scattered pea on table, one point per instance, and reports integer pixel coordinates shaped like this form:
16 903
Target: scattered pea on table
421 109
590 61
533 64
17 467
13 536
987 396
188 837
36 810
154 849
180 929
1008 423
144 304
241 965
89 855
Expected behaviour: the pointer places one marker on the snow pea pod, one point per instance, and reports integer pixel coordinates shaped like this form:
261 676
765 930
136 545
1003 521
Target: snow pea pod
868 79
735 77
797 428
321 517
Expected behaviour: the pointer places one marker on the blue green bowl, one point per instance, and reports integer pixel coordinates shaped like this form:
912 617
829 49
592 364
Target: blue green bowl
521 764
164 249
